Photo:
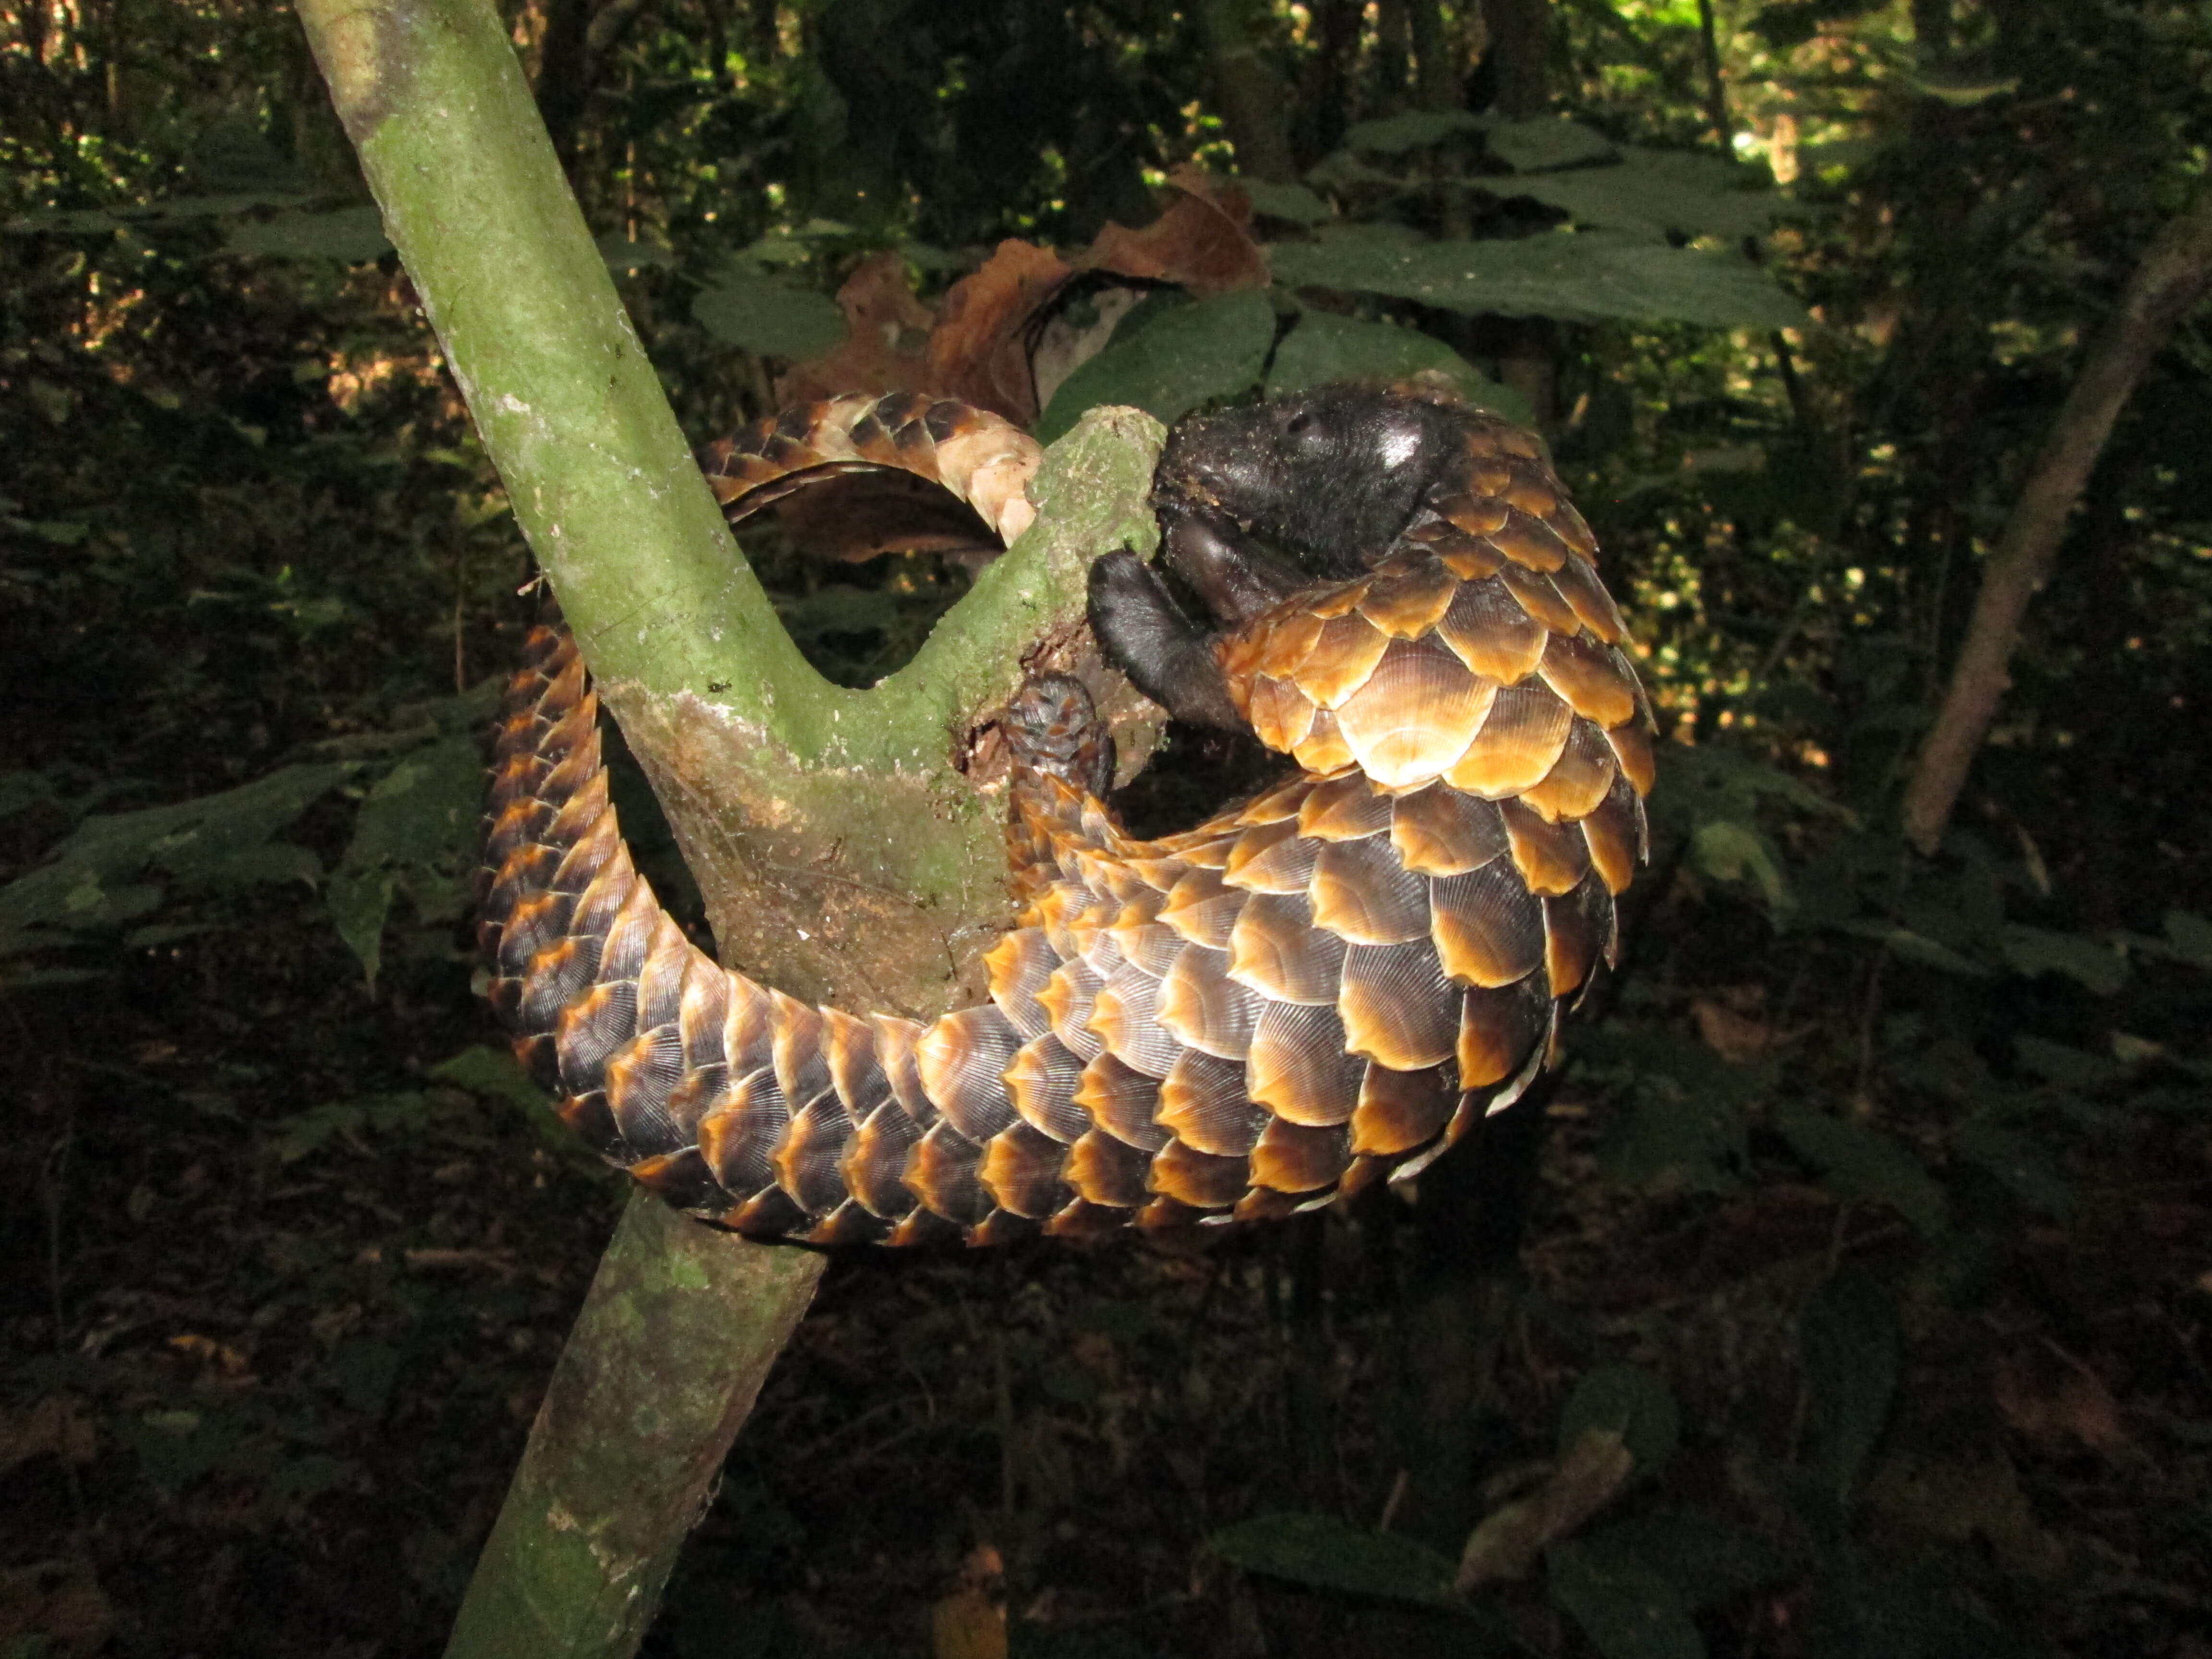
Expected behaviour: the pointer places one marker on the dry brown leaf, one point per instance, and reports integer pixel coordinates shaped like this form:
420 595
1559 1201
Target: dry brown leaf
60 1602
1202 242
977 352
1734 1037
886 330
971 1622
55 1425
2057 1402
1508 1541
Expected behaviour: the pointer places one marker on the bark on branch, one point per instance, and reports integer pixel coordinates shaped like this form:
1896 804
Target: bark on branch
842 852
2174 275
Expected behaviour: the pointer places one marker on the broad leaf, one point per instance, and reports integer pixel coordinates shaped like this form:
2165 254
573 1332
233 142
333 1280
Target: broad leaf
1585 276
1850 1351
774 319
1325 347
1547 142
1176 362
1862 1162
1325 1553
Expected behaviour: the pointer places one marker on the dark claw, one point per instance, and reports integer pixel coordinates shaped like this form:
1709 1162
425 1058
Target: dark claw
1147 638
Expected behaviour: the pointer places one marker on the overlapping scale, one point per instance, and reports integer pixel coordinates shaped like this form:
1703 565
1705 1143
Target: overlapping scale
1323 985
1415 715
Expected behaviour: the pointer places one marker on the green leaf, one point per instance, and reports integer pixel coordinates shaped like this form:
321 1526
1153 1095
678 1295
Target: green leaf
1634 1404
419 820
1416 128
1909 946
2190 935
1862 1162
424 809
1325 1553
1325 347
1579 276
2016 1162
486 1071
1850 1351
359 901
1294 203
1733 850
2088 961
1187 356
1702 1559
216 840
347 236
1547 142
1652 193
771 318
1626 1609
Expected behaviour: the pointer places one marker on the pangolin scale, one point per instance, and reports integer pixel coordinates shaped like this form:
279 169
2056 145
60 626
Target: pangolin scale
1313 989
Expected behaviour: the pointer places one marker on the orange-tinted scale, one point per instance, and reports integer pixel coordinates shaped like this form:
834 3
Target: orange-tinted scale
943 1171
1362 893
1578 780
1487 629
1322 750
1286 644
875 1159
806 1160
1042 1082
1280 714
850 1224
1399 1007
1487 926
1202 1101
1477 515
1083 1219
1596 679
1276 949
1123 1102
1579 585
895 1045
1401 1110
1442 831
1342 657
1519 742
740 1132
1551 857
1631 747
1069 998
963 1058
683 1180
1529 542
1202 908
1538 595
1273 859
1298 1066
1205 1009
1611 829
1020 965
1021 1170
1108 1172
1408 603
1200 1180
801 1071
1126 1015
769 1213
1498 1027
638 1079
1578 931
1416 716
1335 602
1344 809
1292 1157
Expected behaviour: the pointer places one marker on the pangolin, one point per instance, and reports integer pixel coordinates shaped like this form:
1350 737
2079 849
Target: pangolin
1314 988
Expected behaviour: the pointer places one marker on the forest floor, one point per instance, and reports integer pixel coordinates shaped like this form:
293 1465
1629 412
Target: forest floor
280 1307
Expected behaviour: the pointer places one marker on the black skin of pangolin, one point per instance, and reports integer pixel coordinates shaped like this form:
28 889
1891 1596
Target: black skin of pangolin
1324 985
1327 478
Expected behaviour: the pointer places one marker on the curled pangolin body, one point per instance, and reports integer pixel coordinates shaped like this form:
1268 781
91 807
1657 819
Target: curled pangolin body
1313 989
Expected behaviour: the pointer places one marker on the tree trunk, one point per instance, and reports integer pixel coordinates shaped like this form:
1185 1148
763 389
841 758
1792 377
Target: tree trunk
2175 274
1520 56
840 848
1252 98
